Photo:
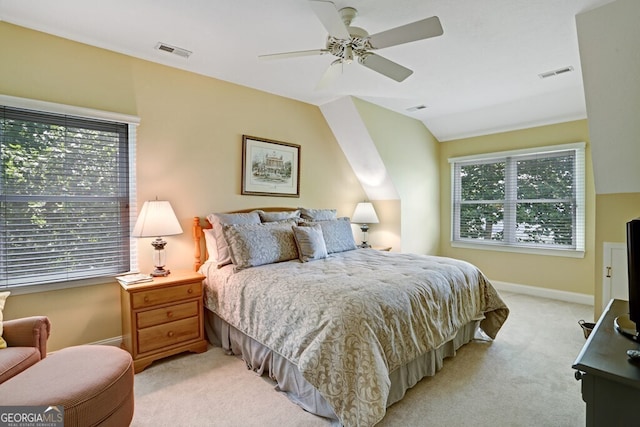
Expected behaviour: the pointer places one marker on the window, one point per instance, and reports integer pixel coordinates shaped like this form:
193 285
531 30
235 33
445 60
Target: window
64 196
526 199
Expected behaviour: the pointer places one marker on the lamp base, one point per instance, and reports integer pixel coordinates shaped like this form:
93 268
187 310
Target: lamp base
364 245
160 272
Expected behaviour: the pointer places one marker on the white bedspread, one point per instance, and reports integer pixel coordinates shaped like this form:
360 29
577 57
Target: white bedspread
349 320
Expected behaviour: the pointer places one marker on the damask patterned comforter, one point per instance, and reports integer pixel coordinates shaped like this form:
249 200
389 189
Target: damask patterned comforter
349 320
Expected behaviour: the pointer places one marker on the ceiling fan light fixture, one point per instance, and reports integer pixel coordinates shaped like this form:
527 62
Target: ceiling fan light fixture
348 54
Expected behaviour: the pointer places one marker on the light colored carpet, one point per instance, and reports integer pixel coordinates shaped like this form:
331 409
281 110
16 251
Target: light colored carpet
523 378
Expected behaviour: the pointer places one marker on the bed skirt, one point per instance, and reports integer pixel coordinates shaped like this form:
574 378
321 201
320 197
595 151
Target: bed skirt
263 360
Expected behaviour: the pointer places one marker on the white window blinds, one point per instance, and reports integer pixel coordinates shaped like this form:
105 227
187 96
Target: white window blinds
64 197
528 198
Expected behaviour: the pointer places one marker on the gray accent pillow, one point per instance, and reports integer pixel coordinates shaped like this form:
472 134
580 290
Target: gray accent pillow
337 233
318 214
278 216
251 245
310 242
218 220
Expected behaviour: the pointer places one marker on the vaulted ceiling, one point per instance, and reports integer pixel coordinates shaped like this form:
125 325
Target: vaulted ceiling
481 76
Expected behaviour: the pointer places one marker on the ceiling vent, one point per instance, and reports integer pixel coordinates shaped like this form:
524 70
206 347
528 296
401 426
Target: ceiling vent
416 108
184 53
556 72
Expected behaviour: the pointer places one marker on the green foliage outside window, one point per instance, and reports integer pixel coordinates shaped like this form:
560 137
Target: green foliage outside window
524 200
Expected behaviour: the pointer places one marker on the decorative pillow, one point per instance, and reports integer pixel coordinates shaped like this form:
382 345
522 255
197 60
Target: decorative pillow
337 234
251 245
3 298
218 220
210 242
310 242
318 214
278 216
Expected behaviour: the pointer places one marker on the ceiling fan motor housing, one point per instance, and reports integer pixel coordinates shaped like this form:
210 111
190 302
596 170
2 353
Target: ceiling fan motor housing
358 43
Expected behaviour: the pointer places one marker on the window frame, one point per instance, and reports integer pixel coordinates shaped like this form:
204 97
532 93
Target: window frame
528 248
90 114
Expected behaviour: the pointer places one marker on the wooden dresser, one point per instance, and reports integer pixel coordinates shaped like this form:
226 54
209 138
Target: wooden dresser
163 317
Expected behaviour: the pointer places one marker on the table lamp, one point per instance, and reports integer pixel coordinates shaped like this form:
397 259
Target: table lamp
157 219
364 214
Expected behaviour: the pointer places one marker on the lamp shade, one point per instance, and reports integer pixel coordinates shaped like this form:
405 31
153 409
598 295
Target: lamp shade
156 219
365 214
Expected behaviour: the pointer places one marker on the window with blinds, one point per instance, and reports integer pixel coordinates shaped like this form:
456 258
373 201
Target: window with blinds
524 199
64 197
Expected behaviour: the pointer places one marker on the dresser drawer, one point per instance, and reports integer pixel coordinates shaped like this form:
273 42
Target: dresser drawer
161 296
167 334
167 314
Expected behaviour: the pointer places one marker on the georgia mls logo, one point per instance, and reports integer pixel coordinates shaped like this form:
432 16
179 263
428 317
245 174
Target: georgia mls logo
32 416
57 410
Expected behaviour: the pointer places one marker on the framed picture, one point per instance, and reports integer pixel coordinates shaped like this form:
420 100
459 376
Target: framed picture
270 168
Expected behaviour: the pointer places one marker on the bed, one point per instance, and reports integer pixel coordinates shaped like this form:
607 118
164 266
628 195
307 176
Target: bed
343 331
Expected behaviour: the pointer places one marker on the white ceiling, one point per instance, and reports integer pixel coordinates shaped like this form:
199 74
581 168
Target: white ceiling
480 77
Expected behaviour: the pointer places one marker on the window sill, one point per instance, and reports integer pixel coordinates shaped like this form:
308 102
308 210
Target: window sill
46 287
567 253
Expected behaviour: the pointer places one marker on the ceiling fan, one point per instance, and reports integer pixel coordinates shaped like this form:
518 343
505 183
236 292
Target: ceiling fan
347 43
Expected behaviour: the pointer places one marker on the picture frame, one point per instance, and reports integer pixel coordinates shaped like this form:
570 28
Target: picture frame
270 168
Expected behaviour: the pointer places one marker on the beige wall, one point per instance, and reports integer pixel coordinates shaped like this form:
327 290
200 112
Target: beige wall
410 154
189 152
552 272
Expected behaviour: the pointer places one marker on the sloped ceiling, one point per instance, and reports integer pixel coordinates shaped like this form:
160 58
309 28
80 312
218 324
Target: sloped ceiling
611 60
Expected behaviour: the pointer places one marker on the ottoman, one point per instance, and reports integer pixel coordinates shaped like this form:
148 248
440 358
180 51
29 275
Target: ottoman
94 383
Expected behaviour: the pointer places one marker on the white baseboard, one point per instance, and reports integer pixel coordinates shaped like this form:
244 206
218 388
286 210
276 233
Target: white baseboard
114 341
544 292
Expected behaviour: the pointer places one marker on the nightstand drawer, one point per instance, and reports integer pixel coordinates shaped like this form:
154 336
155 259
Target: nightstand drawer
167 314
161 296
168 334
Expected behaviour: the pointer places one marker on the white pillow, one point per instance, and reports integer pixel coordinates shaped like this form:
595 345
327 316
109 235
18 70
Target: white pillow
210 243
310 242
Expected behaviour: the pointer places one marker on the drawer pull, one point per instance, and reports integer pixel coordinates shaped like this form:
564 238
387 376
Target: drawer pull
170 334
146 299
169 314
190 291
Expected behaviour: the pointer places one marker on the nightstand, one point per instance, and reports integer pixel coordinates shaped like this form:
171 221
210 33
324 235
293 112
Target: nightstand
163 317
382 248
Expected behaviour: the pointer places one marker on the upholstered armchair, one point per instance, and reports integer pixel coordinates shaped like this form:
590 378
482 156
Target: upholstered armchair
26 344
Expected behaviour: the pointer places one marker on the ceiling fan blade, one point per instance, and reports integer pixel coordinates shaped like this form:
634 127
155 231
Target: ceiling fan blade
330 76
293 54
330 18
419 30
385 66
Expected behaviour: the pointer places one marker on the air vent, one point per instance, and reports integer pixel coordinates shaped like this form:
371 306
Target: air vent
416 108
556 72
184 53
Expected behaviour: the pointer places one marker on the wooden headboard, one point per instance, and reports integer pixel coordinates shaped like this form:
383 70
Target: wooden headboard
199 224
